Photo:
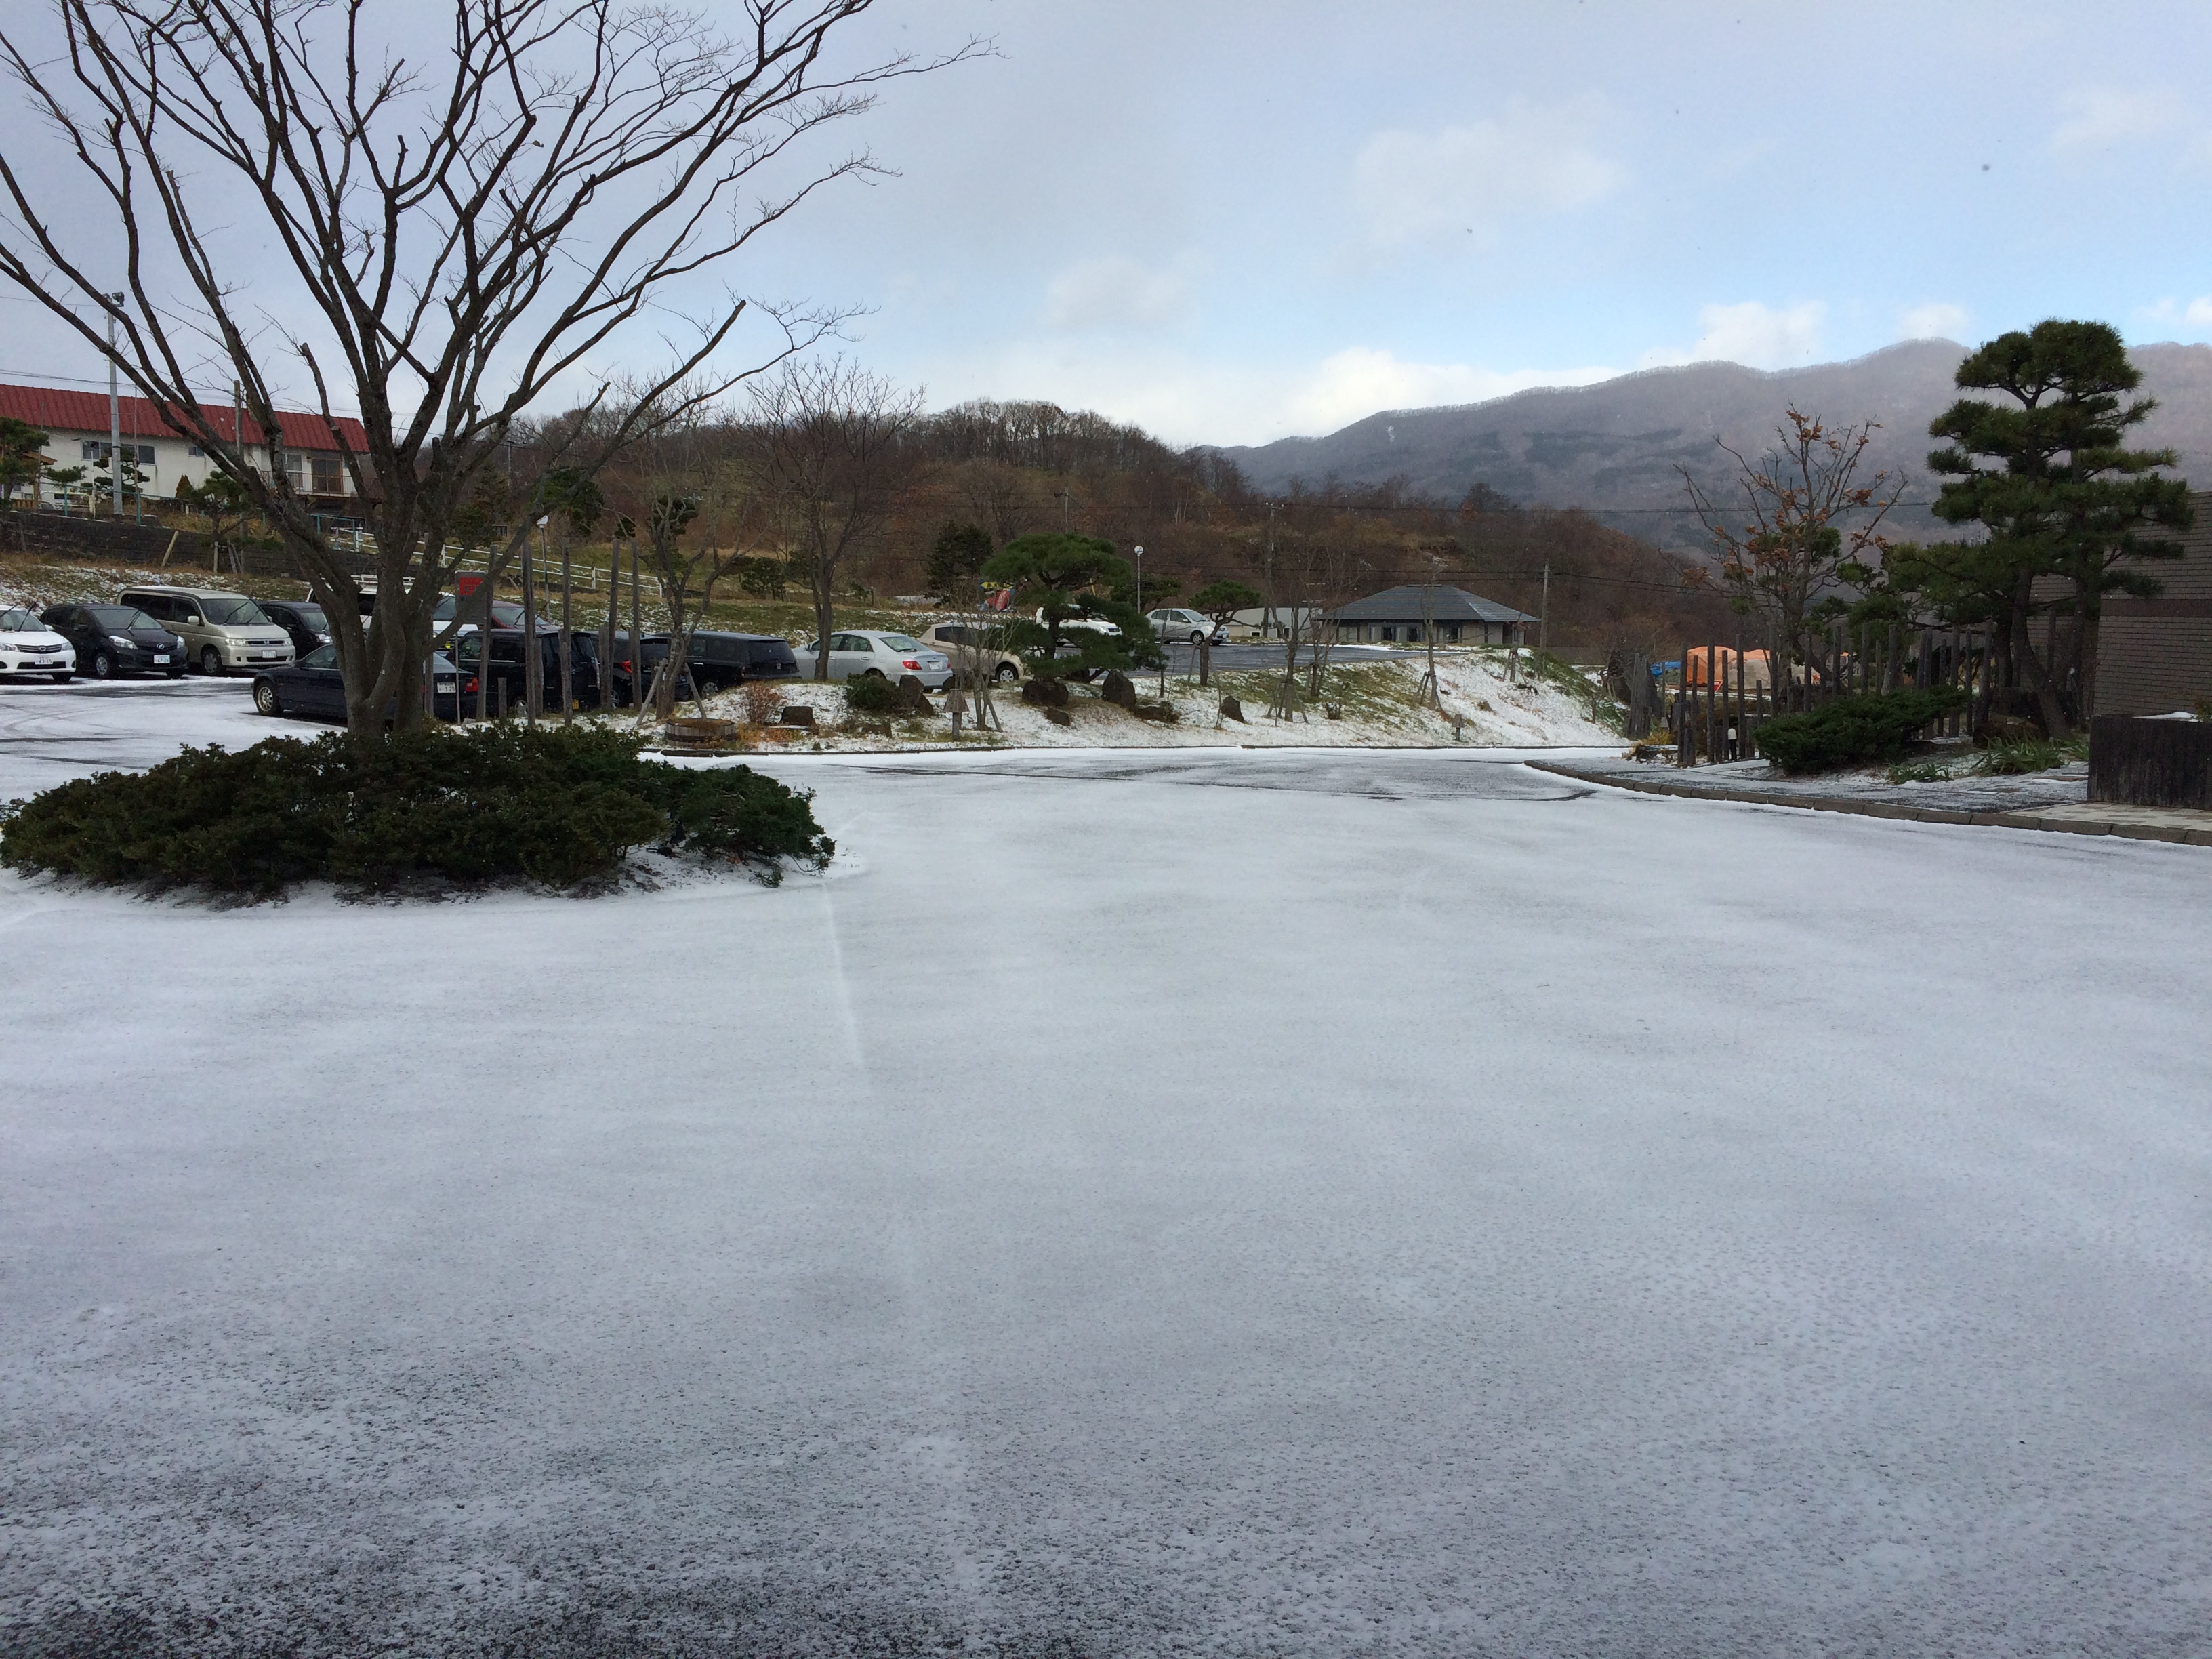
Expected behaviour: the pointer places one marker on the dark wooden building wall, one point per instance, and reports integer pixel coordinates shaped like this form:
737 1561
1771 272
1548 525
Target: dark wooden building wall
2155 655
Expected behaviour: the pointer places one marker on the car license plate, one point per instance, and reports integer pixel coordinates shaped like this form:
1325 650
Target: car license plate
445 685
162 656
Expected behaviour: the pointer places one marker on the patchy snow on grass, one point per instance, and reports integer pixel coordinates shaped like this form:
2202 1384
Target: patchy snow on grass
1375 704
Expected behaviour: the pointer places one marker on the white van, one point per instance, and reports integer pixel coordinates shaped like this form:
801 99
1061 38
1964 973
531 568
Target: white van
223 633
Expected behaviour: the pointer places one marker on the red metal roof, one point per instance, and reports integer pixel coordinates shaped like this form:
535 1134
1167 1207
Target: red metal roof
53 410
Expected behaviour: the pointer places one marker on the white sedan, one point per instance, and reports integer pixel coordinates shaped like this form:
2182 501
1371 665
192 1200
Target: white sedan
889 656
1179 625
28 646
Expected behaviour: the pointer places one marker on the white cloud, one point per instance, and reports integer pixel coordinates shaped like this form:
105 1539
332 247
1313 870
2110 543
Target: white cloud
1430 187
2196 315
1362 381
1182 398
1758 336
2098 118
1936 321
1118 292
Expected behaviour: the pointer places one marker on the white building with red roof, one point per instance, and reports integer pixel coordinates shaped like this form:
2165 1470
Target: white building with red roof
77 425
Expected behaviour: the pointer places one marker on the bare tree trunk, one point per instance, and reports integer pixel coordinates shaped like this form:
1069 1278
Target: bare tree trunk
533 669
607 624
567 630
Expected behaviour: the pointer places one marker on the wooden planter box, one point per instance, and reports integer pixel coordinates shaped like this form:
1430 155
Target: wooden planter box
2140 763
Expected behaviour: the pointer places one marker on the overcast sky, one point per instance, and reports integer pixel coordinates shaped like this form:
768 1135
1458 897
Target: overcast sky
1230 220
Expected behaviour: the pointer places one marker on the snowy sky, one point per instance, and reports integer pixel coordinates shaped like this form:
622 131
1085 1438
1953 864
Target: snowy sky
1234 221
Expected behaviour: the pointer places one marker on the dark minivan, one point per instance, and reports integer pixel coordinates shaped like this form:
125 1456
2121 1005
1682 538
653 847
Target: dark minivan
719 661
302 619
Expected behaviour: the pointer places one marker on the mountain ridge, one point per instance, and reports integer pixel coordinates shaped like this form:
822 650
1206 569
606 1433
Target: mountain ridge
1613 447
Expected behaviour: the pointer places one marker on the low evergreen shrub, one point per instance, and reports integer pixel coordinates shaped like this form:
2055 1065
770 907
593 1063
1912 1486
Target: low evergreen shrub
871 694
472 808
1855 730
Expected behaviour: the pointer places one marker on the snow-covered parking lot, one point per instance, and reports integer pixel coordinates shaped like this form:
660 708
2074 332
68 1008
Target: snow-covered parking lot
1209 1202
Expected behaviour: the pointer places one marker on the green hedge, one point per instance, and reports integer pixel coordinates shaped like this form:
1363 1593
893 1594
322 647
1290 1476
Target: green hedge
473 807
871 693
1854 730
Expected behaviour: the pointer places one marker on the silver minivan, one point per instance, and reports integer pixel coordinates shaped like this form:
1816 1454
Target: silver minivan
223 633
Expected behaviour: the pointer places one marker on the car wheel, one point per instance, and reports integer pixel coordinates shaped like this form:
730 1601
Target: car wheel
875 674
1197 640
64 680
265 698
1007 673
176 673
708 687
103 665
211 662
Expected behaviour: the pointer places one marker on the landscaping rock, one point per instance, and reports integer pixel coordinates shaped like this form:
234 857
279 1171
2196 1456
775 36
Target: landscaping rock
1118 691
1161 714
1059 716
1233 710
913 700
800 715
1045 692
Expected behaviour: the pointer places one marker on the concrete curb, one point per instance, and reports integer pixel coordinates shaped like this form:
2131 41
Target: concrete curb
1882 808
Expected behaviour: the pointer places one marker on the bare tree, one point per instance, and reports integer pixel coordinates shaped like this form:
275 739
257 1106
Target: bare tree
717 508
1807 522
834 456
471 227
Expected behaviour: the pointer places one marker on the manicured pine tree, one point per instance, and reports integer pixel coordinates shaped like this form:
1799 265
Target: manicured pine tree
2045 472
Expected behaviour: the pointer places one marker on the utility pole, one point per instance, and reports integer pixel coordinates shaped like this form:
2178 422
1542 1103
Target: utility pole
1268 619
114 419
1544 626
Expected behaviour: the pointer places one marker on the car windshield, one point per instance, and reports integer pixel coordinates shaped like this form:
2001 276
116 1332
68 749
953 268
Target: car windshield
234 613
323 656
19 621
122 618
900 642
311 616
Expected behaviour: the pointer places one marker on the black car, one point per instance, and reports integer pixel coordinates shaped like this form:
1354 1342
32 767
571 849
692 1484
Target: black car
117 639
718 661
302 619
312 688
506 673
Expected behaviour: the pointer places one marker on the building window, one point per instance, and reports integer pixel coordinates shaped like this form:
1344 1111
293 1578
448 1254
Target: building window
1413 633
92 452
1451 632
326 475
196 452
145 454
1389 632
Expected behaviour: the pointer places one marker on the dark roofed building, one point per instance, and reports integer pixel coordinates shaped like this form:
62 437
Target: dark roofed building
1398 616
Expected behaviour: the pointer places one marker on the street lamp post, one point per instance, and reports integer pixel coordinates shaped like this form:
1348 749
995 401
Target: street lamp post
114 420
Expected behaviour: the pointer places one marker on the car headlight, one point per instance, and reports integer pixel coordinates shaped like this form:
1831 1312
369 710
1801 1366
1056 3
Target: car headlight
325 638
121 639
